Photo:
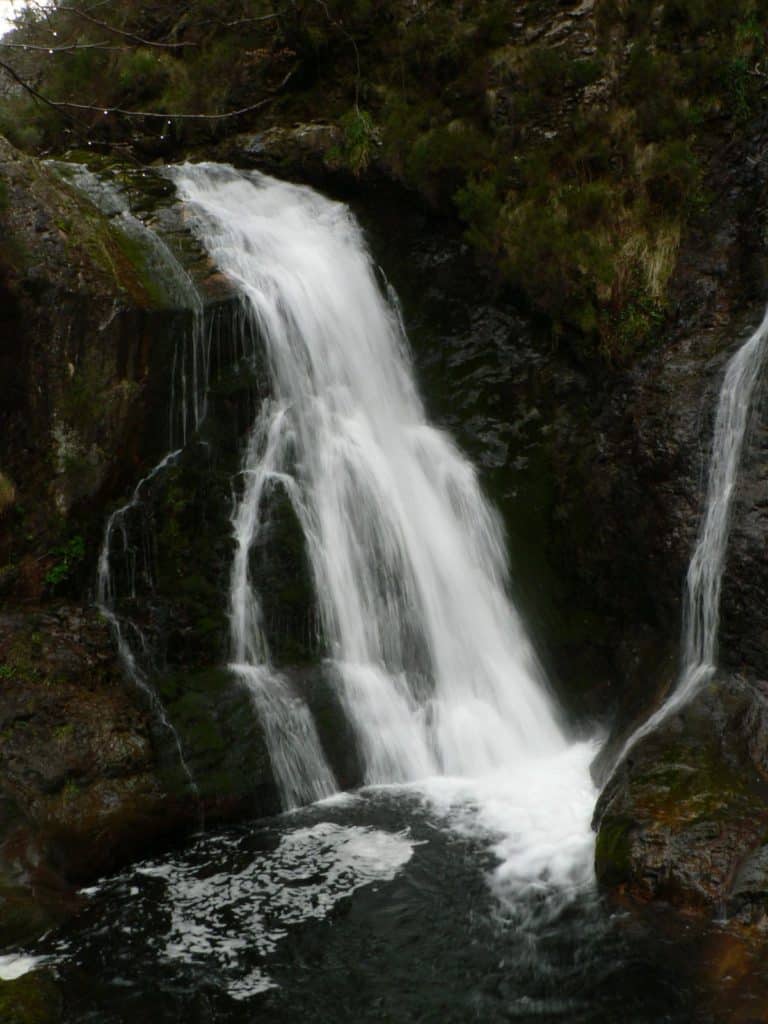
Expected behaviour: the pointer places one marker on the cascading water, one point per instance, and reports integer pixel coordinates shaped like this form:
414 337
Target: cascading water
133 648
190 375
701 615
188 404
431 661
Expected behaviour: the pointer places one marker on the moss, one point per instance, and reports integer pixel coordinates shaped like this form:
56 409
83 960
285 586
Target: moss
22 659
7 493
219 732
31 999
613 852
689 783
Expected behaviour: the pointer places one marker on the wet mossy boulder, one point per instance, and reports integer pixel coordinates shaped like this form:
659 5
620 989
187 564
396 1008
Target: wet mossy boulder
96 308
684 817
96 769
33 998
218 734
82 331
76 759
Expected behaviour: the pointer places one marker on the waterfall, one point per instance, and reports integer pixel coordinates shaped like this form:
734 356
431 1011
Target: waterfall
131 643
187 409
701 615
430 658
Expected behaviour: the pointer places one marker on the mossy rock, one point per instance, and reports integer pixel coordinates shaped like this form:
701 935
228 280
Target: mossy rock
687 806
32 999
25 915
221 739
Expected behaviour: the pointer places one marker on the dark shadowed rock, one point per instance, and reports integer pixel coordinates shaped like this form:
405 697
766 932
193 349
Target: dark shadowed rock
685 815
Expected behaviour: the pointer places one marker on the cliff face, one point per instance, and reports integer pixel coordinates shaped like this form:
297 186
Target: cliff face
90 772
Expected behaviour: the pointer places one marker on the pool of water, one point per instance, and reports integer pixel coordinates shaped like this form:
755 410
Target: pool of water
379 906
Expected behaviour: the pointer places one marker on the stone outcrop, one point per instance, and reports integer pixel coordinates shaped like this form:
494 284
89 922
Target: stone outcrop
90 765
684 817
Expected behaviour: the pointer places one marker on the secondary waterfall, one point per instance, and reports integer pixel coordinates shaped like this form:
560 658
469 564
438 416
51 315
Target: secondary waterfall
701 615
431 660
126 534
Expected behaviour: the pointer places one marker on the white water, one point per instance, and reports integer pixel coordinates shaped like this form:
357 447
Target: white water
16 965
431 660
701 616
117 532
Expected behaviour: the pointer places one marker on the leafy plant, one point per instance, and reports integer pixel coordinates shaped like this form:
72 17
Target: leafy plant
69 558
360 140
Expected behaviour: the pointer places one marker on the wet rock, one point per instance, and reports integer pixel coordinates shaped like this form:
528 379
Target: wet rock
684 816
31 999
88 331
221 740
93 772
303 151
76 760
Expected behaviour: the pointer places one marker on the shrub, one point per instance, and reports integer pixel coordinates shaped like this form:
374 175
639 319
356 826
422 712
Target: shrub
556 261
479 207
69 558
142 74
443 158
361 139
674 176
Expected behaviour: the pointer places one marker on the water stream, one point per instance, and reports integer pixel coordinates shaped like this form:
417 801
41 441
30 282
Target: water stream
435 670
701 612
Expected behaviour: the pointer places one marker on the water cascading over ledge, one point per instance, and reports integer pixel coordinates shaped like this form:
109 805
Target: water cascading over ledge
430 659
704 579
683 815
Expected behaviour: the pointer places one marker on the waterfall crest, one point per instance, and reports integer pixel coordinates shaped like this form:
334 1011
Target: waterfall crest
430 658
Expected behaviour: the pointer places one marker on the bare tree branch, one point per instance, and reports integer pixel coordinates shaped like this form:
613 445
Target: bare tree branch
38 95
247 21
120 32
64 106
67 48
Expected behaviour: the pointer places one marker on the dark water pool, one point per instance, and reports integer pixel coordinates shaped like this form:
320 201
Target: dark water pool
370 908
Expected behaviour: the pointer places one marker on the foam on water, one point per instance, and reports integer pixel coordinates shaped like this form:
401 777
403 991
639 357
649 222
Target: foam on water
212 919
536 820
16 965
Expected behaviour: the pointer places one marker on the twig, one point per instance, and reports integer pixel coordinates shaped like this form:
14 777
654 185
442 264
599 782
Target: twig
64 103
153 113
33 92
120 32
247 21
67 48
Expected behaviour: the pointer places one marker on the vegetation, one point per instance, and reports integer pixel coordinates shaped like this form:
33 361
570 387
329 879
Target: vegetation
574 159
68 560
